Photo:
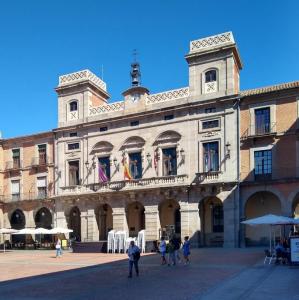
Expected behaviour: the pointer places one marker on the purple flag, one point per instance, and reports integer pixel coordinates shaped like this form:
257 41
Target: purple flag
102 176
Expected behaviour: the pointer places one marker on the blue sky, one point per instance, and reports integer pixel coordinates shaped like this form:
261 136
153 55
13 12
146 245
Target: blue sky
40 40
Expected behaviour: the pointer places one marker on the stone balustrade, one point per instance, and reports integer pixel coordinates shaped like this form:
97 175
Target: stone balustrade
103 109
213 176
167 96
82 76
210 42
124 185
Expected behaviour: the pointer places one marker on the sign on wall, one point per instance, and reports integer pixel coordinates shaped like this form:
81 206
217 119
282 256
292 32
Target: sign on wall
295 250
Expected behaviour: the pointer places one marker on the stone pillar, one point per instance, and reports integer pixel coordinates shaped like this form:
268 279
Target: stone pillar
119 219
190 222
59 220
230 217
30 223
152 222
89 226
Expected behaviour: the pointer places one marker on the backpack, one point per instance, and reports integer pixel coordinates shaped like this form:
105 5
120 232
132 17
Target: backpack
136 255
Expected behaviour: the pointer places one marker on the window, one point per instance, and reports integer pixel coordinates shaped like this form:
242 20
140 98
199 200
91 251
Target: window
103 129
210 76
169 161
73 106
72 134
168 117
16 158
217 218
211 157
73 146
135 165
74 173
210 110
210 124
262 120
134 123
41 184
104 169
15 190
42 154
262 164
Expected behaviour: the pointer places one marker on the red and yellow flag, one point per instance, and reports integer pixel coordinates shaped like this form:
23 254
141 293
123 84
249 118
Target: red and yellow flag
127 173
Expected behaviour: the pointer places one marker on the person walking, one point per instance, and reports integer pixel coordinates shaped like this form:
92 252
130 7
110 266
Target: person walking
162 249
134 256
177 245
186 249
171 253
58 248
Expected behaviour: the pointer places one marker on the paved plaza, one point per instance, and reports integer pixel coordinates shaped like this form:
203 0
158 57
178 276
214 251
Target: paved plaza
213 274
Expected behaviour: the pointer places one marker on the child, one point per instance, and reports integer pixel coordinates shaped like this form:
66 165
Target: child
186 249
162 249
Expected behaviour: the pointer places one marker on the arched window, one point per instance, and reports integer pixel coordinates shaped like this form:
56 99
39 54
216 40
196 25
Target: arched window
211 76
74 106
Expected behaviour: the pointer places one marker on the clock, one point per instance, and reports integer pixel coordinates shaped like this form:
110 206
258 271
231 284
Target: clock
135 97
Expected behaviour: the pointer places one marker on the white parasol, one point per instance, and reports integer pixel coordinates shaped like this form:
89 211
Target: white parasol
7 231
41 230
25 231
271 220
57 230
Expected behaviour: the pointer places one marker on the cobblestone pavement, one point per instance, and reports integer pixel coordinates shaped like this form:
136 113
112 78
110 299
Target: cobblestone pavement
39 275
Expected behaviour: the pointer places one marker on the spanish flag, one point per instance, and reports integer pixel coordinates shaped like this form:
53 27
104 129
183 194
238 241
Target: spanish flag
127 173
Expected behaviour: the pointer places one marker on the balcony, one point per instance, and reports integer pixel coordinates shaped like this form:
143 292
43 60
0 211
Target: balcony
208 177
261 130
40 162
127 185
14 165
23 197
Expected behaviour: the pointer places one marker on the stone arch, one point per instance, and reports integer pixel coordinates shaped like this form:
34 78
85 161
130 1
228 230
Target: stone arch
295 206
247 195
133 142
169 136
18 221
102 147
43 218
170 217
74 220
135 218
259 204
212 221
104 220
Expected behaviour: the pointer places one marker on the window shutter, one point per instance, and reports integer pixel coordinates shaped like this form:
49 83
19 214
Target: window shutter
15 187
41 182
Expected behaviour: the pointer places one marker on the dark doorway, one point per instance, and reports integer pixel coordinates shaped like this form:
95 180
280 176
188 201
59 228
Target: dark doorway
75 223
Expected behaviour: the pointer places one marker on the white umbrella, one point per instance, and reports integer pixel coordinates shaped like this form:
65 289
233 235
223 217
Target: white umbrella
270 220
25 231
57 230
7 231
41 230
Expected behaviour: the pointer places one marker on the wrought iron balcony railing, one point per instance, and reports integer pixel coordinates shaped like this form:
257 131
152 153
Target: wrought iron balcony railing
259 130
41 161
23 196
15 164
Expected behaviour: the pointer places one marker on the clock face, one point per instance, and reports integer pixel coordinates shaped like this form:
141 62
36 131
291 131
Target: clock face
135 97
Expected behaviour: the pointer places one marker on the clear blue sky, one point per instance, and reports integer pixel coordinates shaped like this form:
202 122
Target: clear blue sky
40 40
